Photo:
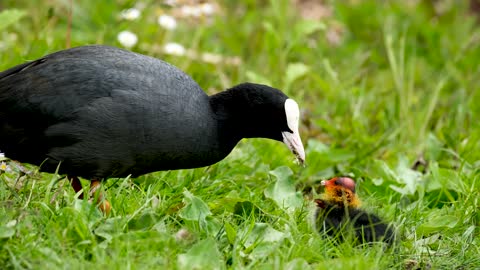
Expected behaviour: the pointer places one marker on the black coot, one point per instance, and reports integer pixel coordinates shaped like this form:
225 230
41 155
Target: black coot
99 112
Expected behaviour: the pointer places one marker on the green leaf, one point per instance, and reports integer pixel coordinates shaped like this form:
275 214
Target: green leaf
50 254
328 154
246 208
263 232
307 27
283 191
203 255
434 147
143 221
407 176
294 72
88 208
297 263
385 172
402 179
272 32
442 178
10 16
424 244
226 203
231 233
438 223
109 228
262 240
195 209
211 226
6 232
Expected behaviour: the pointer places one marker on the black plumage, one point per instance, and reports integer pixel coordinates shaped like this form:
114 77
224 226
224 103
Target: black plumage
341 222
99 112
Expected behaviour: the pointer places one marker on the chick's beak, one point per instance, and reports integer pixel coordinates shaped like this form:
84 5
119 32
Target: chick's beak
328 183
294 143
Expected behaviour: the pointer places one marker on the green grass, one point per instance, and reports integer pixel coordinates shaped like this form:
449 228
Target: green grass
401 86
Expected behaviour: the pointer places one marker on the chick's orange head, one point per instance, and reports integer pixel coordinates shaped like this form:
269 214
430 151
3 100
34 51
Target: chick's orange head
345 182
341 191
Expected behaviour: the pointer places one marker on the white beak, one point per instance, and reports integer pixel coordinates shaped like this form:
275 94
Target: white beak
294 143
292 140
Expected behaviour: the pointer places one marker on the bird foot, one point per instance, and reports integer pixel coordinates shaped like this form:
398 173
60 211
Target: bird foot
103 205
95 195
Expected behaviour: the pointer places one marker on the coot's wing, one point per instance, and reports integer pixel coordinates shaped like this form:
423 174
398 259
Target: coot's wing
37 98
41 93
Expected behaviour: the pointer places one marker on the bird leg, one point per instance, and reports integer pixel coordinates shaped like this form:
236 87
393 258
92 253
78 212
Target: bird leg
95 194
76 185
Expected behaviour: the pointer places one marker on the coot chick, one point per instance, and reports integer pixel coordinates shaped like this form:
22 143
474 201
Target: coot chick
98 112
338 215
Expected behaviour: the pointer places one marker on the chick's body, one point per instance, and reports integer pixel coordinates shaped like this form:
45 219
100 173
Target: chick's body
338 215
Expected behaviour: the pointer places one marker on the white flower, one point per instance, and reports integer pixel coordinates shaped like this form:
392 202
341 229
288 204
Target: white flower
191 11
130 14
207 8
174 49
168 22
211 58
2 155
235 61
127 39
170 2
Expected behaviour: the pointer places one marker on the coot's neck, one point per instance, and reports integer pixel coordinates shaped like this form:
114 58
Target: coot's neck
226 106
251 110
237 111
228 103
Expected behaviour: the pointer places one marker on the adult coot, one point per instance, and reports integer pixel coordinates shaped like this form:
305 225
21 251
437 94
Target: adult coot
99 112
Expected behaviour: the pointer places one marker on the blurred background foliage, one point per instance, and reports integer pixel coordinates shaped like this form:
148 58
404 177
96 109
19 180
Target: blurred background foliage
389 92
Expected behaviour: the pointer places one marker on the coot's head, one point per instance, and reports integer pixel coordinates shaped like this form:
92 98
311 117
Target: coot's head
260 111
341 191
